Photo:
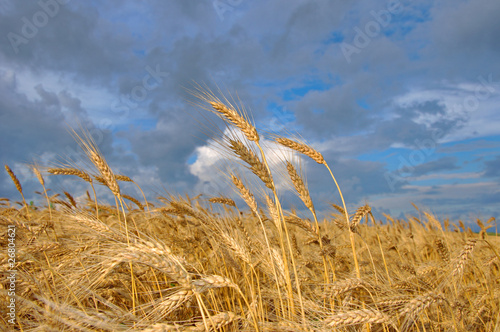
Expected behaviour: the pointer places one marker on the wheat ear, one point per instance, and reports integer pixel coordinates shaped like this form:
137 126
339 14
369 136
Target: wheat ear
82 175
222 200
70 198
304 195
18 187
301 148
245 194
442 250
360 213
299 185
231 115
134 200
318 157
463 258
362 316
124 178
216 322
255 165
40 178
175 301
417 305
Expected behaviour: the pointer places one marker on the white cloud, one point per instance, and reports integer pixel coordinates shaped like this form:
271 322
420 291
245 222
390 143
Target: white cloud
477 103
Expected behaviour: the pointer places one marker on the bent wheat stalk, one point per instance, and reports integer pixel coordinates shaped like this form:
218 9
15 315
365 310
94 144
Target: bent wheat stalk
318 157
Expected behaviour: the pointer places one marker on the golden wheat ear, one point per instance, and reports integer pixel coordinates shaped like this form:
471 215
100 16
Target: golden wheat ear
90 148
301 148
227 111
18 187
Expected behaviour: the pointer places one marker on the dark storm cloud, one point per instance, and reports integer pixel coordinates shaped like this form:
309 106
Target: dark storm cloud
467 27
142 55
34 128
27 117
167 146
336 106
74 40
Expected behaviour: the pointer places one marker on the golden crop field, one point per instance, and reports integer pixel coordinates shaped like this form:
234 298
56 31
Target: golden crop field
182 263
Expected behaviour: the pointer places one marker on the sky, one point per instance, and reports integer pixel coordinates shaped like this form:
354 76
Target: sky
401 97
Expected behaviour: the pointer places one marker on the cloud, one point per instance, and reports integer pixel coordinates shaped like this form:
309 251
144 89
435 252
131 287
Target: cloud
428 77
441 164
492 167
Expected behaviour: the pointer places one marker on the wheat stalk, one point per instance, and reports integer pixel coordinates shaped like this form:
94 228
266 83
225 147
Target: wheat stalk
318 157
124 178
40 178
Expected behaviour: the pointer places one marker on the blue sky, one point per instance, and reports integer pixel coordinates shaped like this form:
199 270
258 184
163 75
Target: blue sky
402 98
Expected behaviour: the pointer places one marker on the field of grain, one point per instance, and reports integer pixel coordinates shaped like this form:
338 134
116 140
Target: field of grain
206 263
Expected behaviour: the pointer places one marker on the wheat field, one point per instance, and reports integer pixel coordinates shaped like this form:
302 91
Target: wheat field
240 263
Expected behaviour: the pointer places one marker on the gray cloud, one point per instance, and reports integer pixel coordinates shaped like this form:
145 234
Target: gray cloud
492 167
441 164
258 50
